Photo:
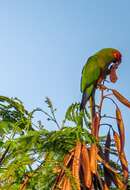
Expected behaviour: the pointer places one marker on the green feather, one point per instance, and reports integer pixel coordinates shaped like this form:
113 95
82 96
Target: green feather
90 74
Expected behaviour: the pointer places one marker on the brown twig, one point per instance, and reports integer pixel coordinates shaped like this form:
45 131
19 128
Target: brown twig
107 116
4 154
24 183
101 102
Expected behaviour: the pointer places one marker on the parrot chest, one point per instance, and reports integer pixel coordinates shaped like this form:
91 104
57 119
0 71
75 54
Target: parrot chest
103 74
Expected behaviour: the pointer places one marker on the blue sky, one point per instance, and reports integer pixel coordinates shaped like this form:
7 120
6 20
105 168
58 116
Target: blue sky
44 45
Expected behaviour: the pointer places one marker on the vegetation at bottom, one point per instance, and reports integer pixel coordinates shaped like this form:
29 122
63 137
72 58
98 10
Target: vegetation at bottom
75 156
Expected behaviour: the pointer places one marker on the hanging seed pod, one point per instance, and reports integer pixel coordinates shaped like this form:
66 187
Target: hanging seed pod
60 178
85 163
117 141
122 156
95 125
121 129
124 164
93 158
66 184
105 187
121 98
76 164
117 181
106 164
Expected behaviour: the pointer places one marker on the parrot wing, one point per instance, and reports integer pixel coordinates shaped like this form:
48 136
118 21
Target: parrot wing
90 73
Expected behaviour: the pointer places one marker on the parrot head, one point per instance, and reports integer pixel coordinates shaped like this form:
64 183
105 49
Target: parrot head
116 62
112 59
117 57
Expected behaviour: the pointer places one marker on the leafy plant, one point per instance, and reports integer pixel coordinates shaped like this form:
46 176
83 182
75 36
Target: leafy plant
76 156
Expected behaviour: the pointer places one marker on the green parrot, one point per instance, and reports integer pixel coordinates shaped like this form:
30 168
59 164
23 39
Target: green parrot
96 69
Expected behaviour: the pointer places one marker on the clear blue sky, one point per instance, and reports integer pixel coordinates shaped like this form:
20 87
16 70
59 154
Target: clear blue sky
45 43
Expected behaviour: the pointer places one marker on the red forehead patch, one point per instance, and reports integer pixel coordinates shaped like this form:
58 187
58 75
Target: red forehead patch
117 55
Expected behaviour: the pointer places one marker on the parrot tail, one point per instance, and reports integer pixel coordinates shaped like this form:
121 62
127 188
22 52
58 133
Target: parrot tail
85 98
